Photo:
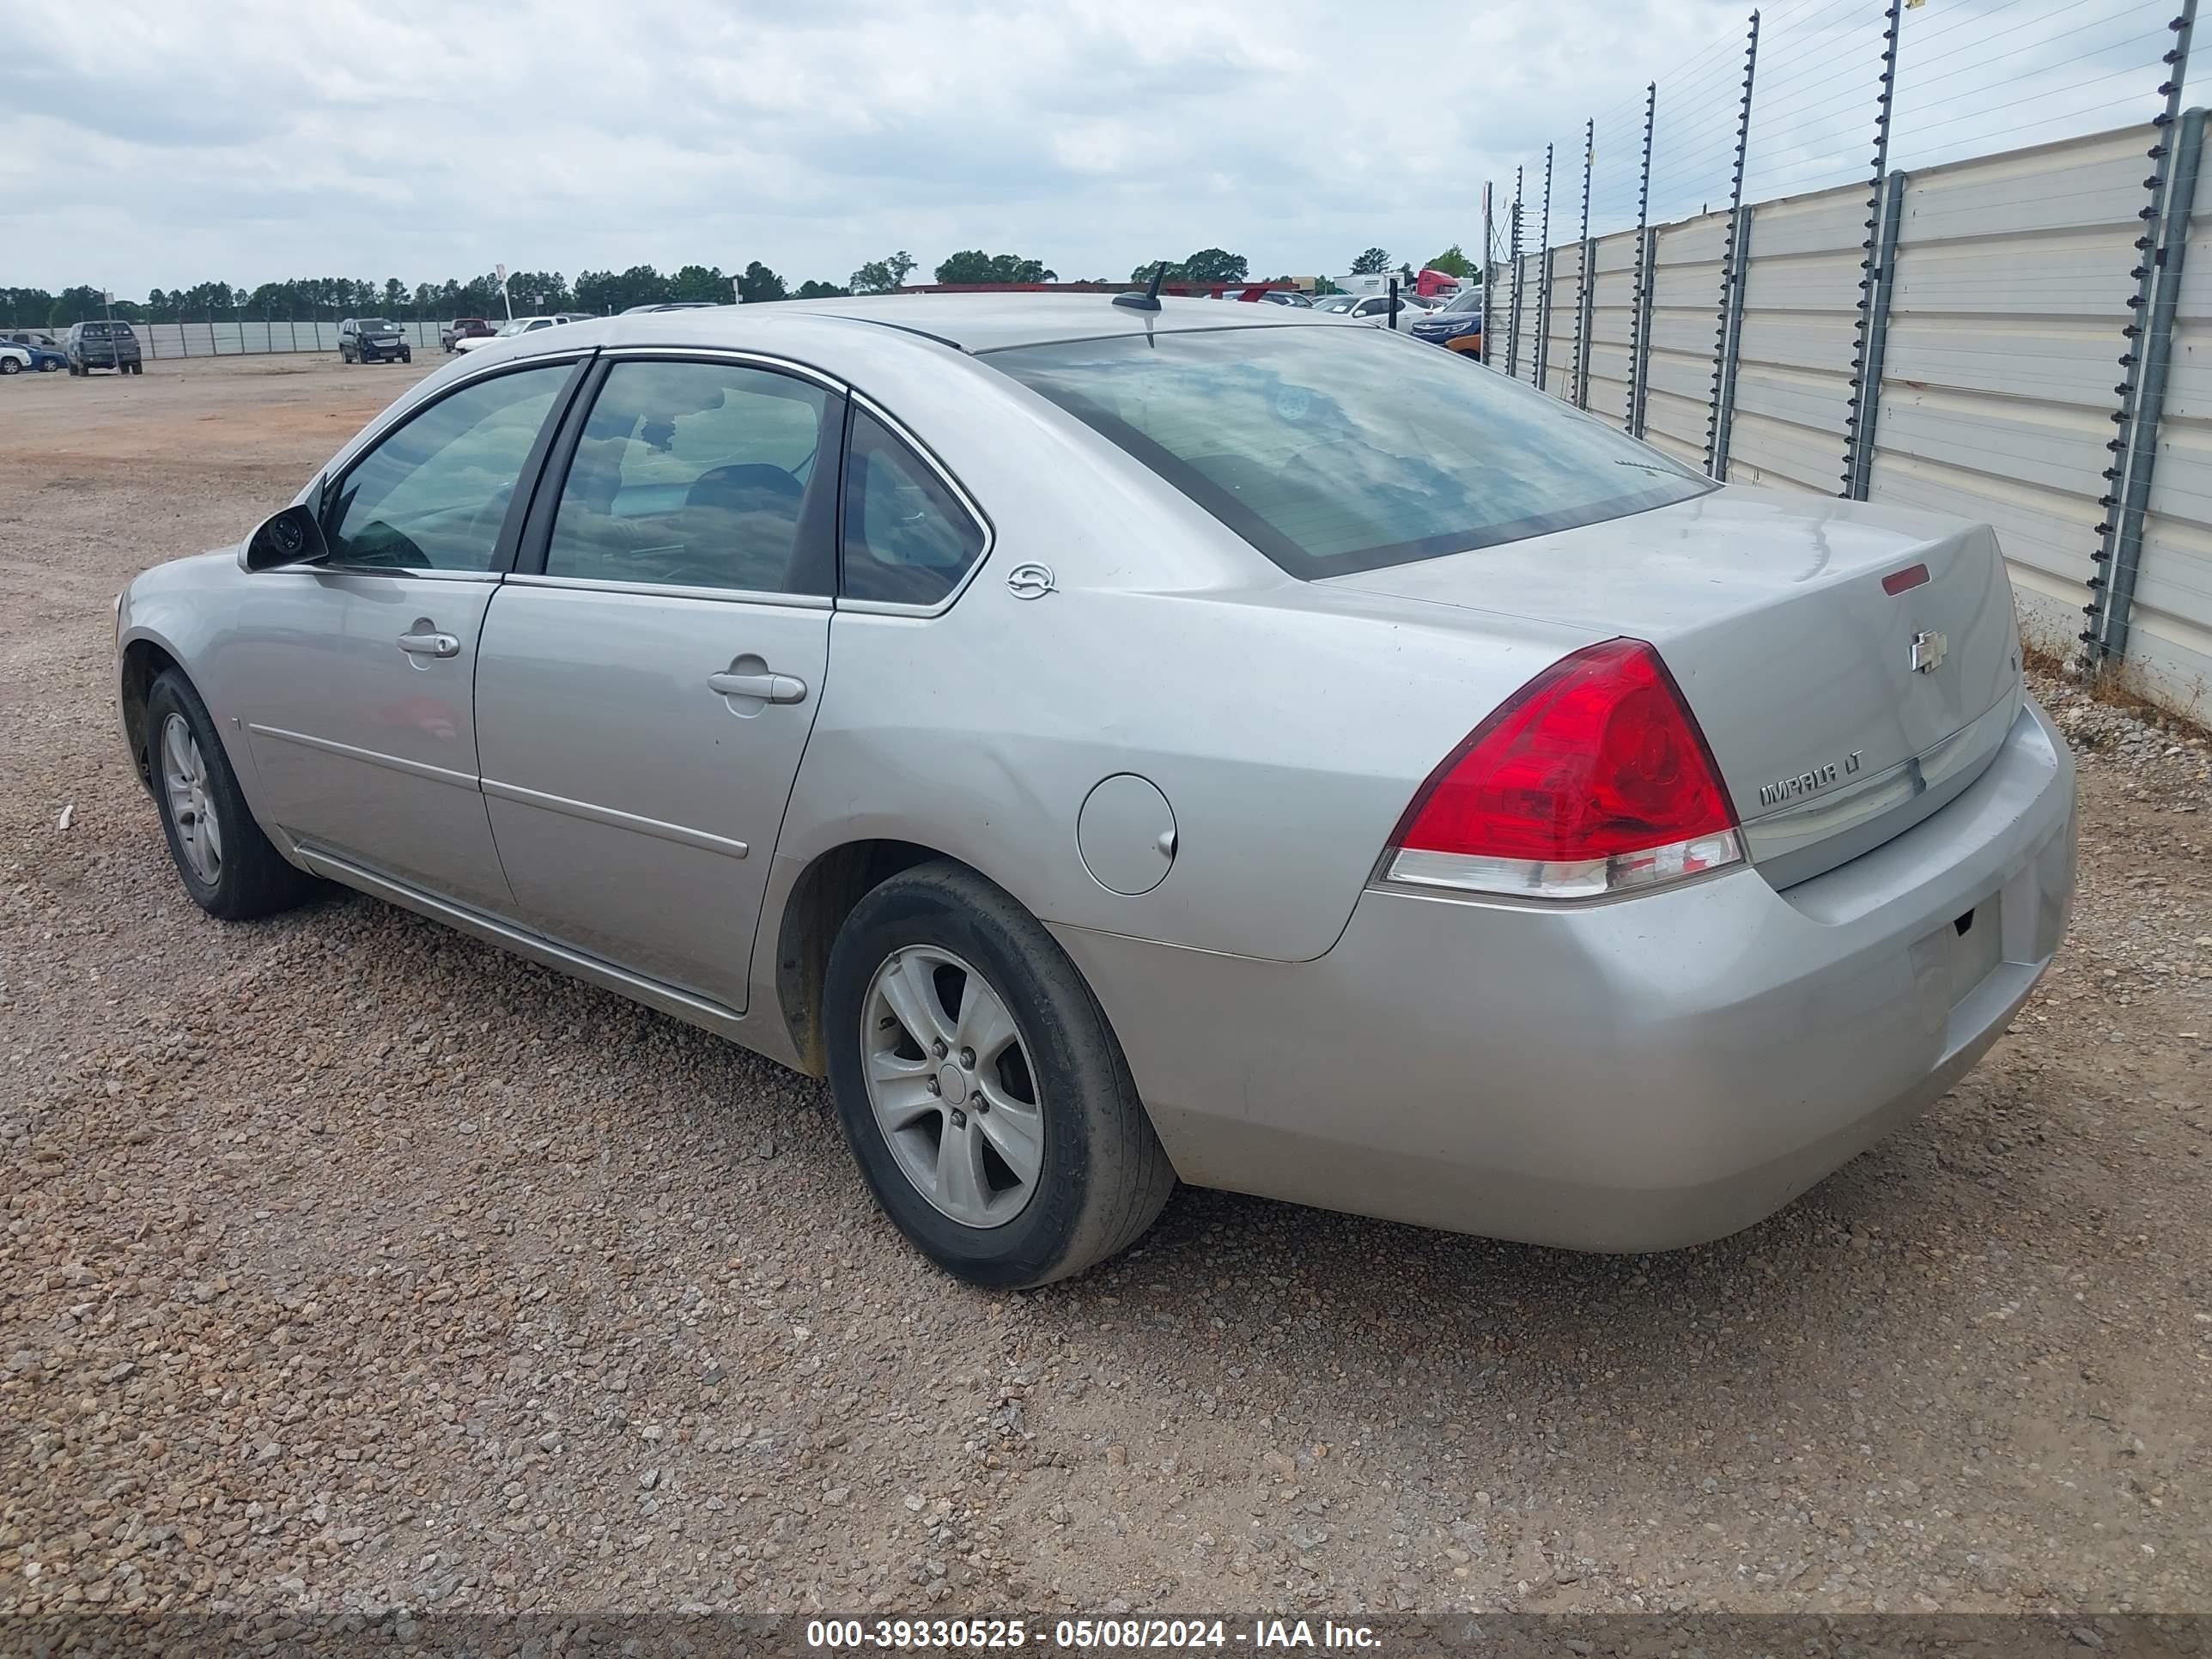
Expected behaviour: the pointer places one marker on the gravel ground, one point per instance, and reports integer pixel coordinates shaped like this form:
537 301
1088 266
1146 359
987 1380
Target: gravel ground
353 1264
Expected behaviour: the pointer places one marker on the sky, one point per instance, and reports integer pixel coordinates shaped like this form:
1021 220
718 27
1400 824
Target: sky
163 145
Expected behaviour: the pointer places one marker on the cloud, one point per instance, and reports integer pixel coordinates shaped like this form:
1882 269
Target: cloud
172 144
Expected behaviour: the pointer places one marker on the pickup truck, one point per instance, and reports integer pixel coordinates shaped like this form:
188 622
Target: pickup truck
450 335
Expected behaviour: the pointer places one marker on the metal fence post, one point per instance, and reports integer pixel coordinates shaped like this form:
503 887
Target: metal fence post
2142 389
1482 350
1650 254
2156 353
1731 345
1873 277
1866 381
1513 325
1639 317
1722 415
1544 279
1580 389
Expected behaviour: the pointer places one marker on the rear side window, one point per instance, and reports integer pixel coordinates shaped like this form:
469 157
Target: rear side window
1333 450
908 540
692 475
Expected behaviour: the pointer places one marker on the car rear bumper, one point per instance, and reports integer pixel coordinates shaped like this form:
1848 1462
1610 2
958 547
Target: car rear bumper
1632 1075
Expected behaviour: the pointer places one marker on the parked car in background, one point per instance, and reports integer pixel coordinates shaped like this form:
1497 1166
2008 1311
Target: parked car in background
45 355
450 335
522 325
1256 294
14 359
1456 324
372 340
1372 308
1658 846
102 344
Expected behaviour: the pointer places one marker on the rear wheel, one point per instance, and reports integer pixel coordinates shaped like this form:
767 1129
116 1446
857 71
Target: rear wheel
9 365
983 1094
227 864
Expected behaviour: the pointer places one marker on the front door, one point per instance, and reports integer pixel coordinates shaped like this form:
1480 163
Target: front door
358 675
643 697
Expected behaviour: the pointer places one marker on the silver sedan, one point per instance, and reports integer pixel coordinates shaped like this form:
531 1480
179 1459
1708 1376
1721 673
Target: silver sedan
1117 743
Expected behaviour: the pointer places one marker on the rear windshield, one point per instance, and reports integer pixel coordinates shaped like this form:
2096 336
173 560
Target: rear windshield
1334 449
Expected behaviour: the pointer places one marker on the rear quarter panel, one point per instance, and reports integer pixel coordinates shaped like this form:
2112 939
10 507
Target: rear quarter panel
1287 726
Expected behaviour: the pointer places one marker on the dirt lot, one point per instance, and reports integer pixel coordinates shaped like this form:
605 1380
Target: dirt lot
352 1264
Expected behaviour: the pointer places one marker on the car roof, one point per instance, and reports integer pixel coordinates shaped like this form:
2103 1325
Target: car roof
973 322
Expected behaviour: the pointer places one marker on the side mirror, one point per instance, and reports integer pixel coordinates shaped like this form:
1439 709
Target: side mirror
293 536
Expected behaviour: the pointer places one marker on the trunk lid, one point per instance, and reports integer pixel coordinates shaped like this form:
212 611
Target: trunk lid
1840 713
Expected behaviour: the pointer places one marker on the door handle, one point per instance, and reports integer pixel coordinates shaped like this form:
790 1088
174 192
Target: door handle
429 644
768 687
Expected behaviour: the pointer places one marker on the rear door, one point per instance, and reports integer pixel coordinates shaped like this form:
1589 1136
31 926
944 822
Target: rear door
650 675
356 673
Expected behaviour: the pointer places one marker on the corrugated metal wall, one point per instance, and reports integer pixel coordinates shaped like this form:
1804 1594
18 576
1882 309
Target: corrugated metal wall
1612 303
1686 288
1565 310
1794 364
1999 390
253 338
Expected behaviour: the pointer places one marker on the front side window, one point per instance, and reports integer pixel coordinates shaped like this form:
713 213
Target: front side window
1333 450
693 474
908 540
433 495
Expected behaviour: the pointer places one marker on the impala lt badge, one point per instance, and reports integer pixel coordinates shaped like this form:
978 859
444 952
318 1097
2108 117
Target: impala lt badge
1807 783
1928 651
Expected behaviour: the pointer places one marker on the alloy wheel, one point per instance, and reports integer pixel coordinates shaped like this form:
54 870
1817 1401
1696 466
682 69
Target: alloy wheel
185 780
951 1087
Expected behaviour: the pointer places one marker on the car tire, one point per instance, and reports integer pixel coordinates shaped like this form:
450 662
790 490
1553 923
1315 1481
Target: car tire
48 366
9 365
237 873
137 368
1097 1176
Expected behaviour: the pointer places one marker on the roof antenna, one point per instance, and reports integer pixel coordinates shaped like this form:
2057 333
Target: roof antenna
1150 299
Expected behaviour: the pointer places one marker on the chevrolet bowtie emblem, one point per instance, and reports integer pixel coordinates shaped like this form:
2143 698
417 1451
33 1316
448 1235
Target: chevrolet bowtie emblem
1928 651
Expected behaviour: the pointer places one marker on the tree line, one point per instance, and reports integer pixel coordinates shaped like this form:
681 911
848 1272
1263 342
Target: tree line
529 292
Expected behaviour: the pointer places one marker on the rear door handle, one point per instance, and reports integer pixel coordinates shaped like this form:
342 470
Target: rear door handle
768 687
430 645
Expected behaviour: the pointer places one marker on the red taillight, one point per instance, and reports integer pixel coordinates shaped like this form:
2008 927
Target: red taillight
1592 778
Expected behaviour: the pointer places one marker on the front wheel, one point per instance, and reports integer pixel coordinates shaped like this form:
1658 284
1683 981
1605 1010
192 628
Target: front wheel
983 1093
227 864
